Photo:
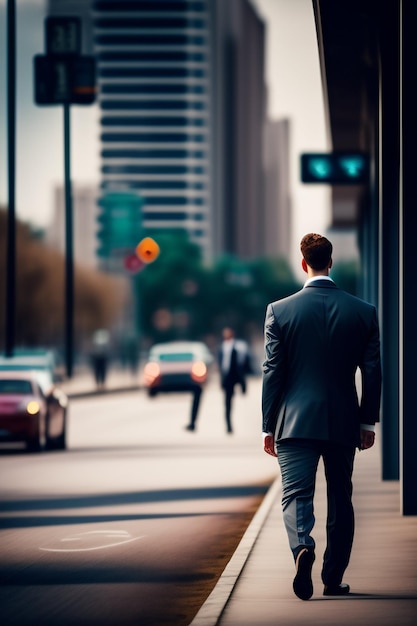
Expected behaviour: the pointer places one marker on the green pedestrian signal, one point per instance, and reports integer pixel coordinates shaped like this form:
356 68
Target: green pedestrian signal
335 168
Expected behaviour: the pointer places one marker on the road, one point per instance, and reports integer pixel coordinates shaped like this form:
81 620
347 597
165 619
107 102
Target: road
135 522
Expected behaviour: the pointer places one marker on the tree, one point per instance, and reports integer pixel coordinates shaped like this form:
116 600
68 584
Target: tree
40 276
346 275
169 290
181 297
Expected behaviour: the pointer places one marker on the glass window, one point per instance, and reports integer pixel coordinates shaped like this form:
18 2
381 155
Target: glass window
141 39
15 386
150 22
152 121
152 88
152 169
165 216
151 138
148 5
176 356
150 105
174 201
151 72
148 55
153 154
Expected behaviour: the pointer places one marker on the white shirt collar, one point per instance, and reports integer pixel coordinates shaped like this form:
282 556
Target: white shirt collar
314 278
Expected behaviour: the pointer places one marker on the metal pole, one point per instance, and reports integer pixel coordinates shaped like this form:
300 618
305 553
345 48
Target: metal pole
11 157
69 260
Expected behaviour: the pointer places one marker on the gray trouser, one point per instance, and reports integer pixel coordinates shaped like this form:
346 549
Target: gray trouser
298 460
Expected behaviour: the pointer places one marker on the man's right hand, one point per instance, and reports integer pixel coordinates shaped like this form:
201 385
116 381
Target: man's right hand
367 439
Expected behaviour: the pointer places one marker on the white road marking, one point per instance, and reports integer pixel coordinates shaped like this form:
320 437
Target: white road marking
119 538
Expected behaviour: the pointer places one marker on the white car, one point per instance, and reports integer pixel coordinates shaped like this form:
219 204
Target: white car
176 366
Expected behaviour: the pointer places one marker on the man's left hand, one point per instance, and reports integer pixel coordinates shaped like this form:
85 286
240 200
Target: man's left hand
269 445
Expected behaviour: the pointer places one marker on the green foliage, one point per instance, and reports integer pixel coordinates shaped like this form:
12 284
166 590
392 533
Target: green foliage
40 301
181 297
346 275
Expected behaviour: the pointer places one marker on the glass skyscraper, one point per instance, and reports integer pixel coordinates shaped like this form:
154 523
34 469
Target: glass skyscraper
153 62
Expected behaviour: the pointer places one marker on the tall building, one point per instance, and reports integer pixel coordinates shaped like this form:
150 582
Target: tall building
277 194
182 101
85 210
155 98
238 123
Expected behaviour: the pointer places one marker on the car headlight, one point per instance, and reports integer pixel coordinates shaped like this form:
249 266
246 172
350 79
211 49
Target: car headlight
199 371
33 407
151 372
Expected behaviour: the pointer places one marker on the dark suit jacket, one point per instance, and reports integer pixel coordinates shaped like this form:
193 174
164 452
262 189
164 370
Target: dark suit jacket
236 371
314 342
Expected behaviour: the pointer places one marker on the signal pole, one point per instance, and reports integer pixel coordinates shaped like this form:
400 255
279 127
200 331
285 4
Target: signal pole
11 158
64 77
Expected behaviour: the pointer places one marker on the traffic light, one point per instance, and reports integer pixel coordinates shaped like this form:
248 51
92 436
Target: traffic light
147 250
335 168
120 223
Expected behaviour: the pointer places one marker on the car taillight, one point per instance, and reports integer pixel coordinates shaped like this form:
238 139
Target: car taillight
151 372
199 372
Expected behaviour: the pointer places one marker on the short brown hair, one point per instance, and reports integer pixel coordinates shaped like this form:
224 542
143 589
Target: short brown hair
316 250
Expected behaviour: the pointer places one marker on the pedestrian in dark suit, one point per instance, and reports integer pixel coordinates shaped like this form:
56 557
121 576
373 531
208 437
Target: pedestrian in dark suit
314 342
233 359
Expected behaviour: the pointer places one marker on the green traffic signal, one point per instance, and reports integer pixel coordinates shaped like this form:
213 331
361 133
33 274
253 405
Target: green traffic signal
335 168
320 167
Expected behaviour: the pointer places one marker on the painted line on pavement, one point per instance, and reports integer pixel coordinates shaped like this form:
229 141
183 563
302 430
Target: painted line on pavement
119 538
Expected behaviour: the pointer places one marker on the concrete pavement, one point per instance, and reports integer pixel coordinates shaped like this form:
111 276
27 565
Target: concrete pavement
83 383
256 586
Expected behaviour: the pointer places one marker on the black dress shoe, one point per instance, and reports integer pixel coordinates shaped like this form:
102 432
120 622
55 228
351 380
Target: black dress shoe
302 583
336 590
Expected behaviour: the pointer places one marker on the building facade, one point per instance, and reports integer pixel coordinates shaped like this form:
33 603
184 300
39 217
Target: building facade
277 193
182 119
155 98
85 212
238 122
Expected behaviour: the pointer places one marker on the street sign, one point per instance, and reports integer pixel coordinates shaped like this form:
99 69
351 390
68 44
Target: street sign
63 75
64 80
335 168
63 35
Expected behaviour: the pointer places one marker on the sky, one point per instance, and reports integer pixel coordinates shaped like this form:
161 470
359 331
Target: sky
294 92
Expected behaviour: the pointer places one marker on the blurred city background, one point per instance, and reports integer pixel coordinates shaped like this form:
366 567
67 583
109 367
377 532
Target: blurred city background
160 161
194 138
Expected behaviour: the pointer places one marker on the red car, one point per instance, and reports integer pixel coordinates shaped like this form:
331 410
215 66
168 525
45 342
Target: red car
29 414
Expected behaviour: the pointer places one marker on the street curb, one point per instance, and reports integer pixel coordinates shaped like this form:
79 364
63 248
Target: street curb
101 392
212 609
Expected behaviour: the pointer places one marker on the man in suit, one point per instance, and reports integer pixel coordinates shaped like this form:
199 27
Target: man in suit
315 340
233 359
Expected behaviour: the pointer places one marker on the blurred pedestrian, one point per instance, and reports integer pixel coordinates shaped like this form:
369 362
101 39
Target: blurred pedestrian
99 363
197 391
233 365
100 356
314 342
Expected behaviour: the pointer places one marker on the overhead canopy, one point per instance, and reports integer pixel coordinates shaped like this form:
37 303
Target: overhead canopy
348 39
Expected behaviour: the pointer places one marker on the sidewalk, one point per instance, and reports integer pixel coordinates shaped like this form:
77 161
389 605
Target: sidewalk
82 382
256 586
